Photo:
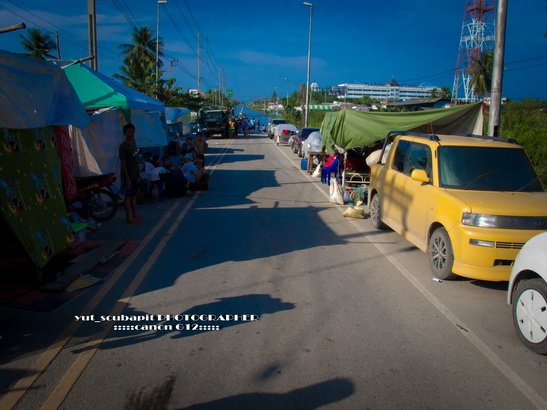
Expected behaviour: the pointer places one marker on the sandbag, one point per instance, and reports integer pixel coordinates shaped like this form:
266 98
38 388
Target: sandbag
355 211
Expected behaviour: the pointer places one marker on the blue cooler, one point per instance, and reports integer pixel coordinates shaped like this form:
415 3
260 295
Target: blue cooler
304 164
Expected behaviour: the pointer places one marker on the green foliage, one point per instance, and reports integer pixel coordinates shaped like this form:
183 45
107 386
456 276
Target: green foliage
38 44
434 93
526 122
315 118
481 74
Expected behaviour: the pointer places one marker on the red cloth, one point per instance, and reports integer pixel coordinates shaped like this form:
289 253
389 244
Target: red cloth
329 160
64 146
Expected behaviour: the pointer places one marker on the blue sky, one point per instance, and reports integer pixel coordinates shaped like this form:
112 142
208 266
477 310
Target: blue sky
261 46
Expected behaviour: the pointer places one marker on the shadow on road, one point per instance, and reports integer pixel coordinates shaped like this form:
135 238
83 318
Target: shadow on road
306 398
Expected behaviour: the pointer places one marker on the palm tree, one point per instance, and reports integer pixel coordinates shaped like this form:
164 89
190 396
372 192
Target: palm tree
38 44
143 49
481 74
140 60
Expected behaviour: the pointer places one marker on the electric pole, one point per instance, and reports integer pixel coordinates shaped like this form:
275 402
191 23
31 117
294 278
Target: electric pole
92 33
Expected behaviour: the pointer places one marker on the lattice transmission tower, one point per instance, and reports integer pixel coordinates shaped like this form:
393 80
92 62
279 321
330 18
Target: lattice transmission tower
478 33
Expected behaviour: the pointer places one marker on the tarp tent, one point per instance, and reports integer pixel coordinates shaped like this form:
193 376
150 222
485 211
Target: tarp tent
178 121
354 129
96 90
95 149
36 93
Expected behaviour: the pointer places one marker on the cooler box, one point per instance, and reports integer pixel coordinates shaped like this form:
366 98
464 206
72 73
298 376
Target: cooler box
304 164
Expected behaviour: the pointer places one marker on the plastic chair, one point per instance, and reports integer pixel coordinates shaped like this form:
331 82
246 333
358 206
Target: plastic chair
326 171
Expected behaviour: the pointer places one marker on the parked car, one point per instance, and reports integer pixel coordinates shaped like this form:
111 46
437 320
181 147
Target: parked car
283 132
296 142
272 123
470 202
527 293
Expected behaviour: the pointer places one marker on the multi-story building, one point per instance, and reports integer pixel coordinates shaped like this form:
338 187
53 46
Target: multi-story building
391 91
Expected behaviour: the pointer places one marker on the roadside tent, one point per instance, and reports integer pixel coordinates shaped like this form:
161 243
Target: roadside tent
35 95
96 90
355 129
178 122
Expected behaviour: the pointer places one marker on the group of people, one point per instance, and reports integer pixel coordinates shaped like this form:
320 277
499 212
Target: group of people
242 123
165 177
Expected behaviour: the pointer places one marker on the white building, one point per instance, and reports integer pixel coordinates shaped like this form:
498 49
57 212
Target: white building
392 91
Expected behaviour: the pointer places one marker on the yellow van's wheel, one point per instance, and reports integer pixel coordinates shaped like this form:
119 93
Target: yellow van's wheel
441 255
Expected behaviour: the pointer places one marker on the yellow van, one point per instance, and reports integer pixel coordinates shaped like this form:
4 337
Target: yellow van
470 202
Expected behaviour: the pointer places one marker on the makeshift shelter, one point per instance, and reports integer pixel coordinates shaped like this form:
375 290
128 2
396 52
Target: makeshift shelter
113 105
34 96
95 148
96 90
178 122
354 129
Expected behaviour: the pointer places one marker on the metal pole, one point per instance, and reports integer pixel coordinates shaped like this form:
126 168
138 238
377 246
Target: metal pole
92 33
199 68
157 45
13 28
497 72
58 45
309 60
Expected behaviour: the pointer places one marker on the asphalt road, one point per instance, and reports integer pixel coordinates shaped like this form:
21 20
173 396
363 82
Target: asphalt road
348 317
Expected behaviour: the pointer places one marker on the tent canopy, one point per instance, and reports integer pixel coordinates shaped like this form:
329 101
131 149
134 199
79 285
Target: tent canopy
354 129
96 90
36 93
175 114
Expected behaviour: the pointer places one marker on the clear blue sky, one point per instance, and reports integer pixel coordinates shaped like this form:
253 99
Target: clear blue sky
262 45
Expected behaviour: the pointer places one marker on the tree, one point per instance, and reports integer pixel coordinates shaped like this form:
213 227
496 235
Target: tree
434 93
446 94
139 67
481 74
38 44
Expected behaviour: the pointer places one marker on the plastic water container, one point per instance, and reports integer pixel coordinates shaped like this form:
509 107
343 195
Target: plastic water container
304 164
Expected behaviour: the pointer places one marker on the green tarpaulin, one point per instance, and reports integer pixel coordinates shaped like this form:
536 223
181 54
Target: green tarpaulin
354 129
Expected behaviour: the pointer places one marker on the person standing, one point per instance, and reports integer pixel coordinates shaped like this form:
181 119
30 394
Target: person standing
129 158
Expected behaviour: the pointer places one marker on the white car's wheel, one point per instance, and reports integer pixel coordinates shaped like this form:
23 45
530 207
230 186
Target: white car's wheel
530 314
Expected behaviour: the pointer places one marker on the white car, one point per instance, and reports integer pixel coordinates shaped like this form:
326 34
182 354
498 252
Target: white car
528 293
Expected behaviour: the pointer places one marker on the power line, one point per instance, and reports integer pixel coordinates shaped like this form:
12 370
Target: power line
85 47
124 14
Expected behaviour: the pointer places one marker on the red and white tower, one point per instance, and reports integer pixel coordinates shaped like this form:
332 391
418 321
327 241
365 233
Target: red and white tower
478 33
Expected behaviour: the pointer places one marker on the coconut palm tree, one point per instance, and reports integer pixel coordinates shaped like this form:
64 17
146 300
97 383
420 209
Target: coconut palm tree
38 44
140 60
481 74
143 49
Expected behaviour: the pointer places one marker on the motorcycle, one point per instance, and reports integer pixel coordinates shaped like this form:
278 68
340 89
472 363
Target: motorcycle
98 197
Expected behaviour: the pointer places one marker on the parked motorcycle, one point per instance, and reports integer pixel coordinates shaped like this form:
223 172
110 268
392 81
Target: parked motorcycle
98 196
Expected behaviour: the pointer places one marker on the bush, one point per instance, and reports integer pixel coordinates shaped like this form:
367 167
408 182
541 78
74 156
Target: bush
526 122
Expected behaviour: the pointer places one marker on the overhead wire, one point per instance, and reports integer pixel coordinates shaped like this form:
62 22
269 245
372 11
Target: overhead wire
85 47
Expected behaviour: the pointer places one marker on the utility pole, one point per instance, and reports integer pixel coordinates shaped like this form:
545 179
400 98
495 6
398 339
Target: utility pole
199 67
309 60
58 45
497 72
92 33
